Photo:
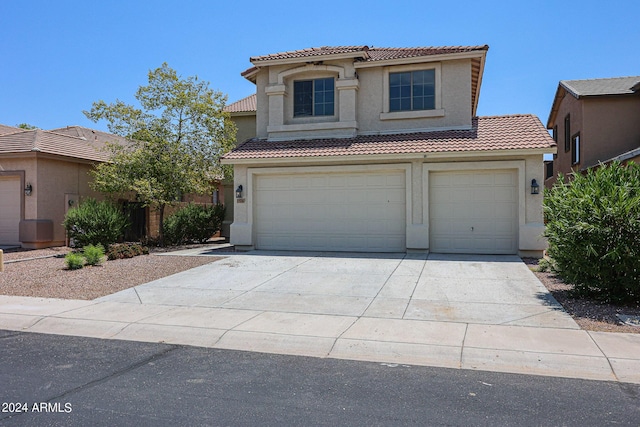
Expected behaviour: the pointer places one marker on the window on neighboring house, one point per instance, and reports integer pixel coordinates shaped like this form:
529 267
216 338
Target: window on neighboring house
412 90
567 133
313 97
555 134
548 169
575 149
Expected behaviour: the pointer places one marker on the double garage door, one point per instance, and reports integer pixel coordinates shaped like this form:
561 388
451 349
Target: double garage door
469 211
9 210
331 212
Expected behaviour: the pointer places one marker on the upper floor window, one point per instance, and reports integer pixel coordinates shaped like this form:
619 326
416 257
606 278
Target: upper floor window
575 149
567 133
412 90
313 97
555 134
548 169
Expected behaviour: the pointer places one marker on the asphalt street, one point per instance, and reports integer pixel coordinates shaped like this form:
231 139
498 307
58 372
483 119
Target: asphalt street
50 380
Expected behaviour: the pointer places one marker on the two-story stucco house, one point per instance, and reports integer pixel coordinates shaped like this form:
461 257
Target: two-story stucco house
594 121
379 149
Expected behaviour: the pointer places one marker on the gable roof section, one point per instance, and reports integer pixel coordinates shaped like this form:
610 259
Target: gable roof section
596 87
244 105
4 129
364 53
42 141
487 134
615 86
365 56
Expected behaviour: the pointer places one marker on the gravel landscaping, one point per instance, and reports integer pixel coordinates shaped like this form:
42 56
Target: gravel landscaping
43 273
35 276
588 314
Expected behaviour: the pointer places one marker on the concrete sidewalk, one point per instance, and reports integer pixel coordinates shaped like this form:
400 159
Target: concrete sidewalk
485 313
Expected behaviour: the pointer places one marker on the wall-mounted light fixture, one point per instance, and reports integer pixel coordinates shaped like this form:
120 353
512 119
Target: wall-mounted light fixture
535 188
239 192
28 189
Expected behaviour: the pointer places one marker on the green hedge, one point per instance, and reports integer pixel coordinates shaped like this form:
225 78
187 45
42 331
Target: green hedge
193 223
95 223
593 227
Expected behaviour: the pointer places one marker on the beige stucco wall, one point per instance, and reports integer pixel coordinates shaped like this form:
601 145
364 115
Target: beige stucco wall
455 99
528 167
361 104
246 126
54 181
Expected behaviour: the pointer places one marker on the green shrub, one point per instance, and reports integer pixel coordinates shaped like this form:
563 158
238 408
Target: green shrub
193 223
93 254
544 265
93 223
593 227
126 250
74 261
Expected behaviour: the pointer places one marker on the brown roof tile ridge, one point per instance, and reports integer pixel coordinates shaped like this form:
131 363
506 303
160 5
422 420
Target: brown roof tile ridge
470 47
505 116
313 50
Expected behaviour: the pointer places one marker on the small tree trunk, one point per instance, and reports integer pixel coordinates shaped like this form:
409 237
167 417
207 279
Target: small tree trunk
161 229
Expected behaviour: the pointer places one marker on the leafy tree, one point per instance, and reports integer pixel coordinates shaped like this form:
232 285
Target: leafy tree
593 227
176 141
26 126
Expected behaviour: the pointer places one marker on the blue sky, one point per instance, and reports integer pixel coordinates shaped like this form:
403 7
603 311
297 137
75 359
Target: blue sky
61 56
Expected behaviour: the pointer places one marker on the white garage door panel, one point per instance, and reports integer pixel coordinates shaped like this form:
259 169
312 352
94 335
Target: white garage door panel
473 211
9 210
331 212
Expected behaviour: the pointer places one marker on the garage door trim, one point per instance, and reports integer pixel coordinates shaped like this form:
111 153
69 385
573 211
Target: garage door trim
254 173
517 165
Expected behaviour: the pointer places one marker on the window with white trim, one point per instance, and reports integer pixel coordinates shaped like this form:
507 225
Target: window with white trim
412 90
575 149
314 97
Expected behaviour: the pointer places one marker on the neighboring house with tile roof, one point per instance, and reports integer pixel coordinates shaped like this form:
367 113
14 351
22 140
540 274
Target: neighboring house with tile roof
369 149
243 114
594 121
43 174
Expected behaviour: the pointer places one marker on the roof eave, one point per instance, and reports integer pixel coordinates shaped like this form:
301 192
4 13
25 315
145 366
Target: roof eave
481 53
555 106
474 107
311 58
396 157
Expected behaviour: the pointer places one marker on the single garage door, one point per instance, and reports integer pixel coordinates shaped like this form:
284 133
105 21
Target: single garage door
9 210
473 212
331 212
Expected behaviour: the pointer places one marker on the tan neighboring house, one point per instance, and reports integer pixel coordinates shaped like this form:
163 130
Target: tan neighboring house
380 150
45 173
594 121
42 175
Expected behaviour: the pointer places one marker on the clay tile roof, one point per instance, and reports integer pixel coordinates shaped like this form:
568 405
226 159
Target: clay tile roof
487 134
248 104
4 129
368 53
79 143
595 87
385 53
310 52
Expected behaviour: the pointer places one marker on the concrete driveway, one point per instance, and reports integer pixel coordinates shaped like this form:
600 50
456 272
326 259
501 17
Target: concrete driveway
497 290
471 312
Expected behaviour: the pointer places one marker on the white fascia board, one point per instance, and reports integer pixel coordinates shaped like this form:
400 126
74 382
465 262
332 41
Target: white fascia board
422 59
390 157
